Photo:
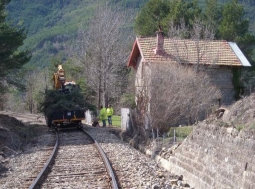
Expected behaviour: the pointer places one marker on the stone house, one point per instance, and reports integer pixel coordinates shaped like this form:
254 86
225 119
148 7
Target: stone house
219 55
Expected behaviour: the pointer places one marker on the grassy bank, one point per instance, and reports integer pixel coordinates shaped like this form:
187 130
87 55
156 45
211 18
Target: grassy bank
116 120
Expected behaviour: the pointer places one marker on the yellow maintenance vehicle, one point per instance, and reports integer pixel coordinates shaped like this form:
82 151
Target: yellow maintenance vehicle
63 106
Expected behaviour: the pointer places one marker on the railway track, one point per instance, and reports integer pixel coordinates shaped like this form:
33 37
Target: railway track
79 162
134 170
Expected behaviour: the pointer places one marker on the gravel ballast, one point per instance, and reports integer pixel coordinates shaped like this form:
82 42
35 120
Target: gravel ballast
134 169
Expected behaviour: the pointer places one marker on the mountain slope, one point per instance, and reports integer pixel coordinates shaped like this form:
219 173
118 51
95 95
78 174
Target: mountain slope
51 25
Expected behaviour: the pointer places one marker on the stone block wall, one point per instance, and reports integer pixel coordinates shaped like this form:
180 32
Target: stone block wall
215 157
222 77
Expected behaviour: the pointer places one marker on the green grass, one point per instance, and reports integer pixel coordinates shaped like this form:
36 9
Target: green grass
181 132
116 120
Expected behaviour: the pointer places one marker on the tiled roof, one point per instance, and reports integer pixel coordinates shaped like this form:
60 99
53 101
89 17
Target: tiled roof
187 51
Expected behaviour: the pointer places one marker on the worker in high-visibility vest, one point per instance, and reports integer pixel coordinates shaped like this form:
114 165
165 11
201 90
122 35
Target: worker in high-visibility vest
109 112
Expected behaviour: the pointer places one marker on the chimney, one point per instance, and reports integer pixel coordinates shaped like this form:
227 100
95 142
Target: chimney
160 42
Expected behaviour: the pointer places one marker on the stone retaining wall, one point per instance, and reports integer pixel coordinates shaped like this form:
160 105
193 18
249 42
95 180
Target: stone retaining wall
215 157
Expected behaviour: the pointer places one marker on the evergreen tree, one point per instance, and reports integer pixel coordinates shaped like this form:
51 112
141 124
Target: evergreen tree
150 17
10 41
234 27
233 24
183 10
162 12
212 15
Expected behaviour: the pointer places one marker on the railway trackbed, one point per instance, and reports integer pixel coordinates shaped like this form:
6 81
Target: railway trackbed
77 163
132 168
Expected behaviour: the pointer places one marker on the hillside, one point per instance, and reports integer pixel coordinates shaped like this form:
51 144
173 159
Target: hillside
52 25
49 24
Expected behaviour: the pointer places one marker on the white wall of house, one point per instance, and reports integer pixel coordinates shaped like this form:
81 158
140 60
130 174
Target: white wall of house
139 75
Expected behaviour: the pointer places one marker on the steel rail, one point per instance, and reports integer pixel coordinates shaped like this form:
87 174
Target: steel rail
106 162
46 166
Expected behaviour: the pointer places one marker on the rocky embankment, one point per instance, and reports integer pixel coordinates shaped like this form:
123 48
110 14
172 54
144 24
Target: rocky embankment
220 153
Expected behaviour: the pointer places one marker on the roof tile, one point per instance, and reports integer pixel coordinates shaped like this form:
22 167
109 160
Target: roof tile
189 51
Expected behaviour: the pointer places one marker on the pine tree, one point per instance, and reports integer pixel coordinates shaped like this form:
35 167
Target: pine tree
162 12
212 15
233 24
150 17
184 10
234 27
11 39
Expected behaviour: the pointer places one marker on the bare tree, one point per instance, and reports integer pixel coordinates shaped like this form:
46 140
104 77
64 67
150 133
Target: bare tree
198 31
35 82
103 51
172 94
178 95
199 35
